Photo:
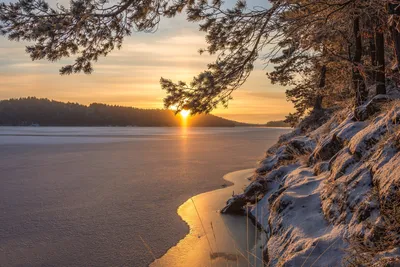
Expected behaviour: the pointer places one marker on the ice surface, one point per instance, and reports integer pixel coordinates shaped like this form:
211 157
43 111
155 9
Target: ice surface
86 203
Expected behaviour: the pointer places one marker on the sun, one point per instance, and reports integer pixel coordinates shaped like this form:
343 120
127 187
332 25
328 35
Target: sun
185 113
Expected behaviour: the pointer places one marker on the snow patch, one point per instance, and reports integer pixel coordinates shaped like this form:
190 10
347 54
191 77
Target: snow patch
343 203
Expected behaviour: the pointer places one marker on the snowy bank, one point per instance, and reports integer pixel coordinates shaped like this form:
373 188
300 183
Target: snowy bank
330 195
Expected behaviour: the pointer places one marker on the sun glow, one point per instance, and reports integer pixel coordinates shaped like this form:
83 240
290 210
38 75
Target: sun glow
185 113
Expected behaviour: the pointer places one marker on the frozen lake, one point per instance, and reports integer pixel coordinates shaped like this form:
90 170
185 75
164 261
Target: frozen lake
82 196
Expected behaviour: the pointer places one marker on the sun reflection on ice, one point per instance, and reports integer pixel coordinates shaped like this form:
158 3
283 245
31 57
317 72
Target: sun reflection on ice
216 240
185 117
184 114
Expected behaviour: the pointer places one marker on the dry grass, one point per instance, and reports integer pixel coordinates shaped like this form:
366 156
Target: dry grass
337 118
371 253
386 107
147 247
202 225
303 159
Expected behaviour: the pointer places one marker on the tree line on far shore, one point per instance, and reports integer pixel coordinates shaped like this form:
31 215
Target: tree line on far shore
44 112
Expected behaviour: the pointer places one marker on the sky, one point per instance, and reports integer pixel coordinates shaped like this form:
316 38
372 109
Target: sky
130 76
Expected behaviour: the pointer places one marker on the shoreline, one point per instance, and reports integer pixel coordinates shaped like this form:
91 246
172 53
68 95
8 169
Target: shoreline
106 213
215 238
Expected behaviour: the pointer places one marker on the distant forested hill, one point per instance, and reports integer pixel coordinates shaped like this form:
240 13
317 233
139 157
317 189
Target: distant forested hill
45 112
277 124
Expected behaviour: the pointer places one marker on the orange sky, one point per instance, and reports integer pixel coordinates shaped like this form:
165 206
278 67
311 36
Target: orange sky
130 76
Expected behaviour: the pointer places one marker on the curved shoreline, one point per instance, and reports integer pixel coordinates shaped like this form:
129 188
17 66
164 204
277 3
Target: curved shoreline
215 239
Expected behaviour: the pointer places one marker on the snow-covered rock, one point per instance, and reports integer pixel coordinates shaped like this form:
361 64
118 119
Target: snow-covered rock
341 206
287 152
371 107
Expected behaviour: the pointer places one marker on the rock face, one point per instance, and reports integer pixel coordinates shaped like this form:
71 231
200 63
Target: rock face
331 196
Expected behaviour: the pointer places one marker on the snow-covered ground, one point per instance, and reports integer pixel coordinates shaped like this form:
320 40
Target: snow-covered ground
331 196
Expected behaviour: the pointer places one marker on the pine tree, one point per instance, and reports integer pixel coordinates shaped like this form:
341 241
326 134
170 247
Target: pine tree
323 51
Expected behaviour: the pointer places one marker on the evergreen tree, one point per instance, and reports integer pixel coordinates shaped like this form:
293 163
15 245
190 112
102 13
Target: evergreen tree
324 51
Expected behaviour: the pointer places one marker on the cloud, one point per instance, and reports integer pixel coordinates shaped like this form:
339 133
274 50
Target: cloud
130 76
265 95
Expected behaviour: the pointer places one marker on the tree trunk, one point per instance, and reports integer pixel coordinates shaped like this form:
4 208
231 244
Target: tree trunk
322 81
394 10
380 58
396 39
358 80
372 50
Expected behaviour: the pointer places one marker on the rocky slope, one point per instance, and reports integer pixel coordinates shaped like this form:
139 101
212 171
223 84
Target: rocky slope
329 195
